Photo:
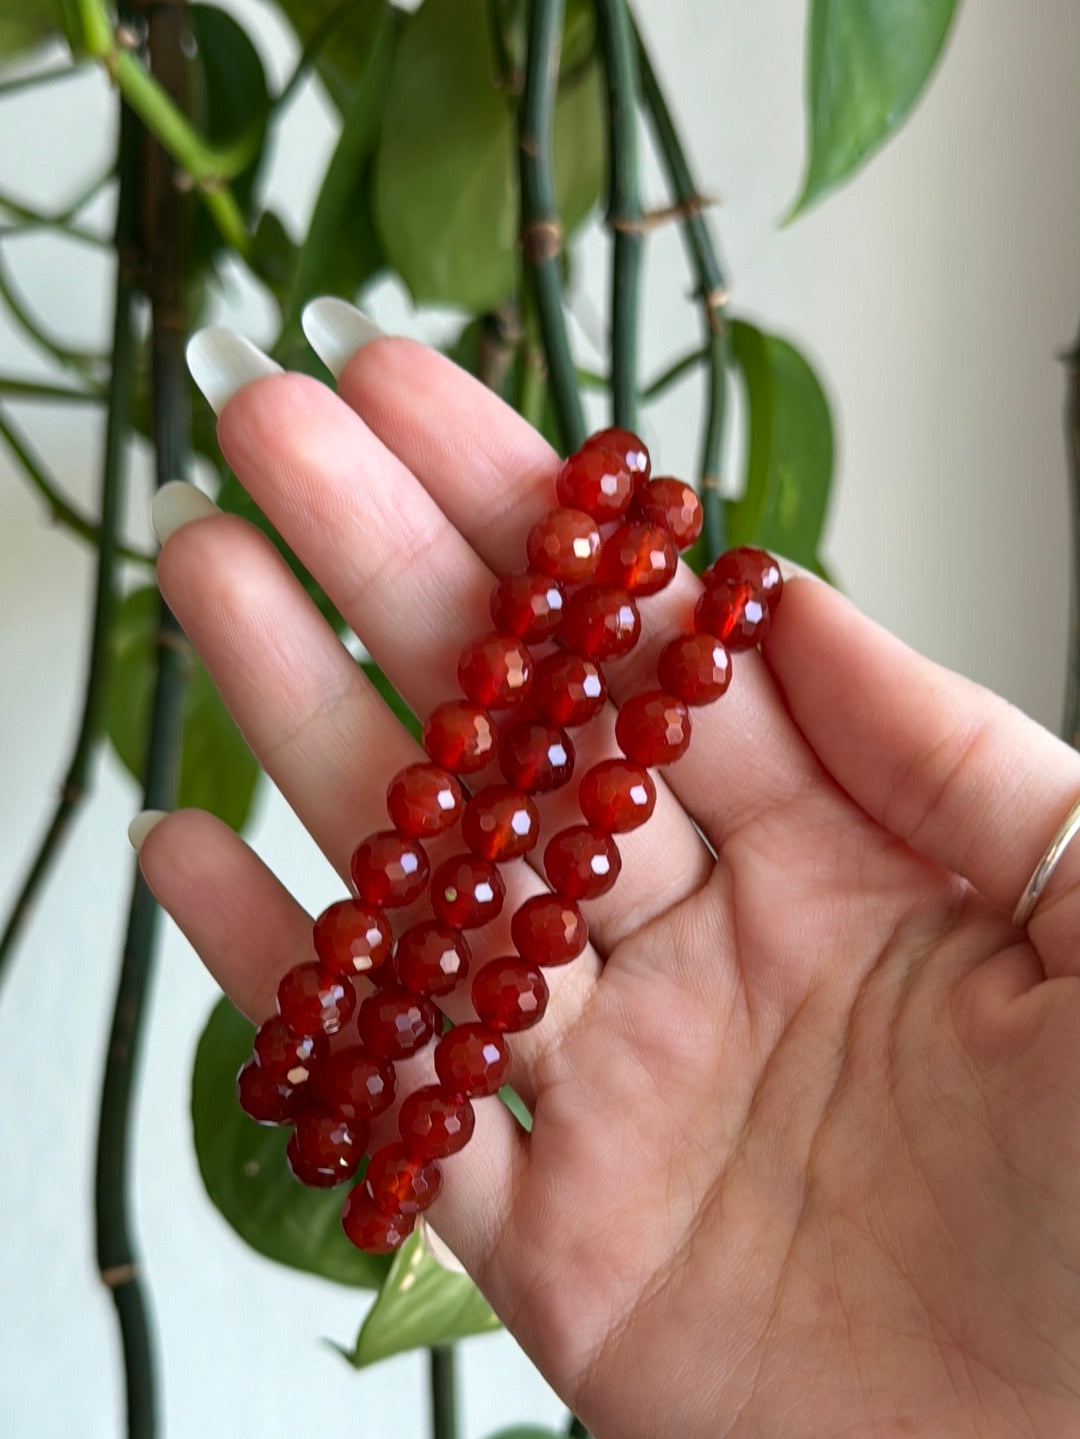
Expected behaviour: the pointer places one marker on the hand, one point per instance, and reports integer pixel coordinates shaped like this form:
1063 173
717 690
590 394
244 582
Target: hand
806 1145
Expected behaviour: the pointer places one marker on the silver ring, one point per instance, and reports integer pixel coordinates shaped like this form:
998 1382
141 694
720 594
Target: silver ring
1070 828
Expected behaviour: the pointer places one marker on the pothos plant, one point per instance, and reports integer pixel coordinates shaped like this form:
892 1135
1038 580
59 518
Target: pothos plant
476 139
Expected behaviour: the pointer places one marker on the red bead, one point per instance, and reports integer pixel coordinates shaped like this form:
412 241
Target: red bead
629 448
581 862
653 728
309 1174
535 757
434 1124
509 994
430 958
500 823
548 930
595 480
529 605
617 795
400 1182
390 869
314 1000
641 558
394 1023
328 1143
601 623
352 938
472 1060
263 1100
495 670
423 800
355 1083
287 1058
568 690
672 504
565 545
748 565
460 736
371 1230
697 668
466 891
733 611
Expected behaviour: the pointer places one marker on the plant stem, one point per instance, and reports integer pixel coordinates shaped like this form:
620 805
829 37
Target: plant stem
80 360
674 372
624 216
12 387
39 78
443 1392
712 293
1071 728
541 233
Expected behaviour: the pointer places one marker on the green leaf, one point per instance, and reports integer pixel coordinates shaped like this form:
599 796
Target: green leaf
217 770
790 451
527 1431
420 1304
24 24
244 1169
867 64
340 36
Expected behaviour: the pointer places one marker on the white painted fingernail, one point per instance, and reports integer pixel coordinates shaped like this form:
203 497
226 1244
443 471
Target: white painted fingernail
791 571
336 330
141 826
175 505
438 1248
222 362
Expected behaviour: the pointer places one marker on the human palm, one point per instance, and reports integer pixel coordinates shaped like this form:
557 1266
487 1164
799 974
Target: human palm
805 1157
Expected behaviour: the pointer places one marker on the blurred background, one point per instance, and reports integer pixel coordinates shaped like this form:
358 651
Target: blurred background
933 293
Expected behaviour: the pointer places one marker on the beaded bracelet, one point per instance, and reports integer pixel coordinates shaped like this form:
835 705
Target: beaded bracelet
613 539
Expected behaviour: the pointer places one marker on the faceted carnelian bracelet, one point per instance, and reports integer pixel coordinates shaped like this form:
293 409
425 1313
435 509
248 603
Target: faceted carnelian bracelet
614 539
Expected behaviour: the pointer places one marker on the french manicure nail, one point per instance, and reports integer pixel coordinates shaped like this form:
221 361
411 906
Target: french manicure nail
222 362
439 1250
175 505
141 826
336 330
789 570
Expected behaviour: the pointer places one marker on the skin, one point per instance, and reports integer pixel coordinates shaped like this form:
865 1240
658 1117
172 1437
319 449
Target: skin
806 1147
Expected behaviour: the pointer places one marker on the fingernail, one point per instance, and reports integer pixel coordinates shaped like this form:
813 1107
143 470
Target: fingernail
176 504
222 362
336 330
789 570
141 826
438 1248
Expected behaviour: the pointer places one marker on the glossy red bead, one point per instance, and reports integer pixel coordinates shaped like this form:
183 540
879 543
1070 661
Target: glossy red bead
653 728
394 1023
748 565
287 1058
369 1228
495 670
673 505
313 1000
697 668
472 1060
467 891
567 689
423 800
629 448
431 958
601 623
352 938
309 1174
433 1123
329 1143
617 795
529 605
581 862
355 1083
389 869
565 545
500 823
549 930
640 557
460 736
400 1182
509 994
734 612
597 481
263 1100
536 757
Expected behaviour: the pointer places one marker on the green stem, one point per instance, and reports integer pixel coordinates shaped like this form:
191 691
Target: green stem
673 373
1071 727
80 360
541 233
12 387
624 215
39 78
443 1377
712 293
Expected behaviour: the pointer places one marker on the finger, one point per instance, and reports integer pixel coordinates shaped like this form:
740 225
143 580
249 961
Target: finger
955 771
249 931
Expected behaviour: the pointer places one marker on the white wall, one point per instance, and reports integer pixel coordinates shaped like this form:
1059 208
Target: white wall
934 293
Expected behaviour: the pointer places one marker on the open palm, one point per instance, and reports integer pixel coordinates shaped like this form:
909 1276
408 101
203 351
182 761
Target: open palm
805 1157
